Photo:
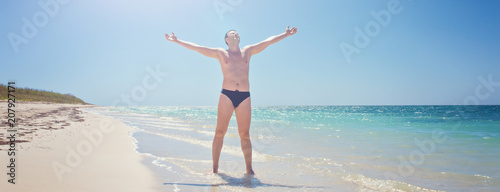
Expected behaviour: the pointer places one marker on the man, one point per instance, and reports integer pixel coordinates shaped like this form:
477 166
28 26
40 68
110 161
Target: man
235 95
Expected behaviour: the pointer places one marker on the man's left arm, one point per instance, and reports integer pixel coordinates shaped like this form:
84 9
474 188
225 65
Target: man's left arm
257 48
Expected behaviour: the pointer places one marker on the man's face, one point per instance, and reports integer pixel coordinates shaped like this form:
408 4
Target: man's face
233 37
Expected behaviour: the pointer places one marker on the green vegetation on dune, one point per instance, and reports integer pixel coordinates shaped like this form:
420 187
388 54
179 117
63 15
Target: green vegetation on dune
27 94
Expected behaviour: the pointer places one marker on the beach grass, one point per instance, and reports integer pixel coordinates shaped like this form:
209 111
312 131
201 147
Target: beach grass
29 94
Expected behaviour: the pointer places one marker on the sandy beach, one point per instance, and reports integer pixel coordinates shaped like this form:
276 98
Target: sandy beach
59 147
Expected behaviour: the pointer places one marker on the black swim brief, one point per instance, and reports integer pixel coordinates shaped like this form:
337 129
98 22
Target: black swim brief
236 96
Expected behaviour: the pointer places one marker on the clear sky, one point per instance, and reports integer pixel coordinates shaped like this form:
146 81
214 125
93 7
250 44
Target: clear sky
427 53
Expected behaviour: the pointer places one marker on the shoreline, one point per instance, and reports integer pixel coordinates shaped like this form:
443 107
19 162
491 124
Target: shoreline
65 148
328 153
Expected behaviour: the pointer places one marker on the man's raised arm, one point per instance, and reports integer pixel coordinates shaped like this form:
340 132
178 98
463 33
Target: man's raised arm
257 48
207 51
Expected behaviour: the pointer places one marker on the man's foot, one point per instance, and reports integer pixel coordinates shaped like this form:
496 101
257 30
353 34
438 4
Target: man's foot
250 172
215 169
210 172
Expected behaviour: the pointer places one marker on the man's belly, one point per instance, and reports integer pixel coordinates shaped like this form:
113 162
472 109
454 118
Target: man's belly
236 84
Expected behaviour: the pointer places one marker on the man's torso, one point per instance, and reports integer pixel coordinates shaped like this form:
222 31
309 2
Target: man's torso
235 68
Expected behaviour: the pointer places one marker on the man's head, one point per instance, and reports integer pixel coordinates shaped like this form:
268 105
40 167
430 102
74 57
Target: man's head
232 37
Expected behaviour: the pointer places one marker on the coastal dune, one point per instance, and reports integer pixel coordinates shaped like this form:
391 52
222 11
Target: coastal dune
59 147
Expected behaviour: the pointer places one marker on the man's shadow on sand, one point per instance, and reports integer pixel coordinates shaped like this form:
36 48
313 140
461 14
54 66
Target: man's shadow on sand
248 181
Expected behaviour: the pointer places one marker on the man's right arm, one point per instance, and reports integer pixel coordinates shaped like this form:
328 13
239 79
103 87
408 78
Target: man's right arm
207 51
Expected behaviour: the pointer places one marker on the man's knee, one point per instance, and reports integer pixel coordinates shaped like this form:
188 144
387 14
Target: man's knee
220 133
244 135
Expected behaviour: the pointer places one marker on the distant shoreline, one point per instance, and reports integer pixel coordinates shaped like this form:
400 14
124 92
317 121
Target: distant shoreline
36 95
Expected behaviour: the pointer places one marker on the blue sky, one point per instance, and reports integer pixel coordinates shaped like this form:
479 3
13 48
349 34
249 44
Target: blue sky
429 53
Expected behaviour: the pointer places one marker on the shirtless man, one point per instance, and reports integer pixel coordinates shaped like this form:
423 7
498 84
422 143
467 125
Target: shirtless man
235 95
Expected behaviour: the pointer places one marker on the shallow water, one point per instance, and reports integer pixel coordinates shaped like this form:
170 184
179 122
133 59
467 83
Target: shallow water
324 148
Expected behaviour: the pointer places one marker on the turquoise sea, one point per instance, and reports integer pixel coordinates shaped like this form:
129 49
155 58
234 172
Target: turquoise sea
323 148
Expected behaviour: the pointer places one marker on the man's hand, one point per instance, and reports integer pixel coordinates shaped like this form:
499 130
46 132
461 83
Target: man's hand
171 38
290 31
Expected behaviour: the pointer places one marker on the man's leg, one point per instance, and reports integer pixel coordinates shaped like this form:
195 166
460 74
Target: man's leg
224 113
243 115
